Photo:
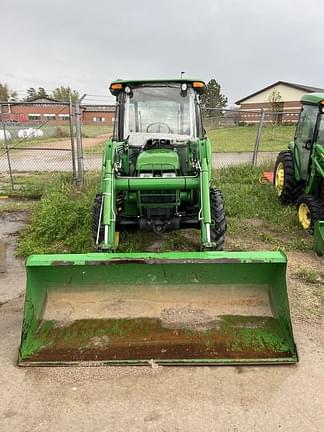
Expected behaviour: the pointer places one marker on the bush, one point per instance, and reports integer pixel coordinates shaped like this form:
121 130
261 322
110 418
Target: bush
61 221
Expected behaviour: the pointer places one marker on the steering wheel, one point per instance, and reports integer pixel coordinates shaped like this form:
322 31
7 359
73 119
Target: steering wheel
160 124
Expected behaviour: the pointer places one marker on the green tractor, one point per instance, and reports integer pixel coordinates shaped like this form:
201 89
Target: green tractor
299 171
182 308
157 168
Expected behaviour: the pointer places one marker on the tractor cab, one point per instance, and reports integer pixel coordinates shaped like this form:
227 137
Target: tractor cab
309 131
158 120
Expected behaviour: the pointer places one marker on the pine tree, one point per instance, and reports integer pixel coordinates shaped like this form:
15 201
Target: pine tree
213 98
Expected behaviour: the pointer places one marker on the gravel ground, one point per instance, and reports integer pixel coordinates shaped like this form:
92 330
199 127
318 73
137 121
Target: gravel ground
283 398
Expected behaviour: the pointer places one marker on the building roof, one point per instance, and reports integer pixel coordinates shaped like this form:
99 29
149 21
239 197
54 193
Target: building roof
314 98
43 100
103 108
305 88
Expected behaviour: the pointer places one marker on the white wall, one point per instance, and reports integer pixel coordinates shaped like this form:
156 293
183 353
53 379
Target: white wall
287 94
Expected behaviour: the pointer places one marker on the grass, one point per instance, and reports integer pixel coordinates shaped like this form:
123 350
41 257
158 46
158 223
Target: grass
28 185
242 138
89 131
61 221
254 214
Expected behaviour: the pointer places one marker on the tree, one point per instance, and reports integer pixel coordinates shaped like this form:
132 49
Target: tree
35 94
31 94
213 98
42 93
276 106
6 93
63 94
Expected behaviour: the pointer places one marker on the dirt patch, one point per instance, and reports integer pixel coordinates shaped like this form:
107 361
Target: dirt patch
306 299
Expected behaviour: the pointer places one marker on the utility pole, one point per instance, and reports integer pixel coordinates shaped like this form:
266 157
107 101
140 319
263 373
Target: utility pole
257 139
72 139
181 74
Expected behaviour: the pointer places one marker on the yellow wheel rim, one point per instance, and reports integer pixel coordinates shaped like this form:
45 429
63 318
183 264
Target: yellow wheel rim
280 178
304 216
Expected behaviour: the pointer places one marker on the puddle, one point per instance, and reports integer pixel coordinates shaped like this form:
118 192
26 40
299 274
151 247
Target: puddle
12 271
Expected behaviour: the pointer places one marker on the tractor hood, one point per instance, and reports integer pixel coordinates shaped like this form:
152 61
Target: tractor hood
158 160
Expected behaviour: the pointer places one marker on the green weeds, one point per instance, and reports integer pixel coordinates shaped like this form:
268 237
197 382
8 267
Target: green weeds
61 220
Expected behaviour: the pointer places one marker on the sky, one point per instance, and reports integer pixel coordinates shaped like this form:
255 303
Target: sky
244 45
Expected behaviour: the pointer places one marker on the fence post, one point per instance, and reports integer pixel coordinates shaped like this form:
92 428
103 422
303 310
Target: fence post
7 153
72 139
79 140
257 139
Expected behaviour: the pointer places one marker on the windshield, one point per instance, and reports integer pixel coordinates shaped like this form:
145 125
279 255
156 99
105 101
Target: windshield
160 111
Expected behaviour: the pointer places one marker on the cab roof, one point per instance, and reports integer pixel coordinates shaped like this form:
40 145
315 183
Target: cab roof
157 81
312 98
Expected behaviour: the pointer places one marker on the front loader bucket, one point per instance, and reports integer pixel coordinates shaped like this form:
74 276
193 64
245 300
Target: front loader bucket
168 308
319 237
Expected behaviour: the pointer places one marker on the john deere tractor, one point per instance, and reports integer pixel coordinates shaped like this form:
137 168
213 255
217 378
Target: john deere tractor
181 308
299 171
157 168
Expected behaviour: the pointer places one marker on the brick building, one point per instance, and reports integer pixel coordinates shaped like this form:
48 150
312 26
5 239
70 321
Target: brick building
54 112
290 101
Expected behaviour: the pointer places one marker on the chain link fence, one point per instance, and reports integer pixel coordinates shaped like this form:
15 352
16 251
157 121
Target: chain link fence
54 139
249 136
36 144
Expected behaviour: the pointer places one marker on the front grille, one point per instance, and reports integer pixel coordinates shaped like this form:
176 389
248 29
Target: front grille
159 198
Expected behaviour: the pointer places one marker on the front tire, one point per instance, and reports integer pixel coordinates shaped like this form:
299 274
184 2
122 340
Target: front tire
309 210
288 188
218 229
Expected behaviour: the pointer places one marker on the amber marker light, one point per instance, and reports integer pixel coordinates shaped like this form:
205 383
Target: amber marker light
198 84
116 86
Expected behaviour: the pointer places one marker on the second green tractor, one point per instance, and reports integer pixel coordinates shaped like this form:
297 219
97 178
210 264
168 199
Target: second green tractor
299 171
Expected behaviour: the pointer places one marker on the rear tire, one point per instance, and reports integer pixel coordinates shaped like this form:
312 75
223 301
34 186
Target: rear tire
288 188
217 232
309 210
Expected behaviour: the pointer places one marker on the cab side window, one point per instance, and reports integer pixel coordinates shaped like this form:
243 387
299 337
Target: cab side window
306 126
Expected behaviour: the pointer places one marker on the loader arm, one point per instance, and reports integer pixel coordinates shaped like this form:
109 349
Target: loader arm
205 176
109 196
